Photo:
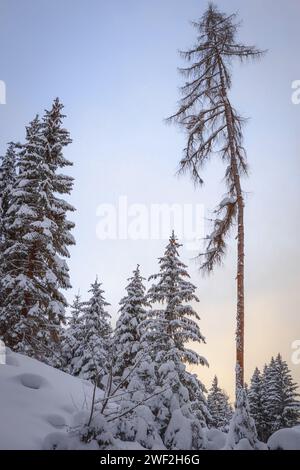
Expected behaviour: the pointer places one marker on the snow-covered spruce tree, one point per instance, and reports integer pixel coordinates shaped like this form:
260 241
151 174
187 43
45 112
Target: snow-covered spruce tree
8 172
213 126
37 238
173 325
167 330
54 138
76 311
156 409
219 407
255 398
136 419
127 335
22 321
72 334
179 422
92 355
281 398
242 432
269 401
289 414
196 391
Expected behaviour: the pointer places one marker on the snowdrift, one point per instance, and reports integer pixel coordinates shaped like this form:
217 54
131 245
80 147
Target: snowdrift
37 400
285 439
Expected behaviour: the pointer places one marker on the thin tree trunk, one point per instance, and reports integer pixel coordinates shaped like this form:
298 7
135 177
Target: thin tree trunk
240 315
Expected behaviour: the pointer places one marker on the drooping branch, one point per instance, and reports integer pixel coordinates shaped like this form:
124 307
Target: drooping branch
216 245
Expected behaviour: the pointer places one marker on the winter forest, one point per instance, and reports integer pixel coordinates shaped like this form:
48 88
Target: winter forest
131 383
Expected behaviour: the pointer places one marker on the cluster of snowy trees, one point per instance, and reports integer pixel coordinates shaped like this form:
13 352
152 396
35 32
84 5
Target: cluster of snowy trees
35 236
141 367
273 398
144 360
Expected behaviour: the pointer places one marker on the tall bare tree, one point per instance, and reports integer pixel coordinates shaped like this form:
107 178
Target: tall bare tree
213 126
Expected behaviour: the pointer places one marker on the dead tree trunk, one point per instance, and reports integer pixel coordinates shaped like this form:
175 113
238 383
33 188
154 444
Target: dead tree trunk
214 127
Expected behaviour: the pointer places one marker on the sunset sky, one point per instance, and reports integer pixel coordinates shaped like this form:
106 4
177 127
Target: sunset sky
114 66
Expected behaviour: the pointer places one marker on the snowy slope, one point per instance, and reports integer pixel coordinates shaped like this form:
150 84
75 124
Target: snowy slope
37 400
38 403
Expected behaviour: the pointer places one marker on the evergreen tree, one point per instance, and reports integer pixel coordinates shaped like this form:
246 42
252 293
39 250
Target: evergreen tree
256 396
8 173
178 423
281 397
77 308
274 399
166 332
38 234
269 397
289 409
214 126
138 406
72 335
54 138
219 406
173 325
197 392
127 335
92 355
161 408
242 432
23 310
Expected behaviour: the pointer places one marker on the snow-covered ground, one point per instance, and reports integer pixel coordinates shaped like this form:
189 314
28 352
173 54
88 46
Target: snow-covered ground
39 403
285 439
37 400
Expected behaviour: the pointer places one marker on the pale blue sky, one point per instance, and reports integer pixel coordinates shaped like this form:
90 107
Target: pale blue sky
113 64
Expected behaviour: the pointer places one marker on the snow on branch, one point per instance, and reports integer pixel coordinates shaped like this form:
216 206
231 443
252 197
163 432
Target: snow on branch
216 245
